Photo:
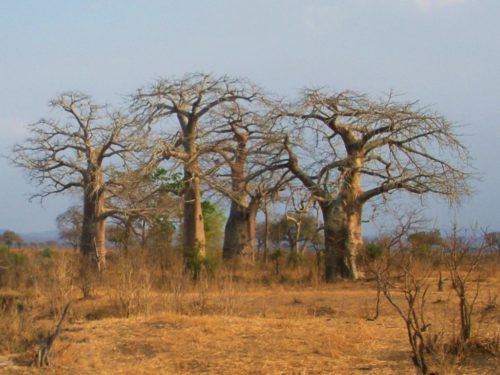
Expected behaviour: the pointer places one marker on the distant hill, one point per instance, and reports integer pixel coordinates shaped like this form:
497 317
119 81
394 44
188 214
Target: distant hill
49 235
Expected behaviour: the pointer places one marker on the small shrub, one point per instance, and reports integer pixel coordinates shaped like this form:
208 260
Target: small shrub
47 253
275 258
196 264
295 259
55 278
193 264
211 264
132 284
373 251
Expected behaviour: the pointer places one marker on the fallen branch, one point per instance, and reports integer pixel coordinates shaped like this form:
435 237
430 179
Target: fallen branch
43 356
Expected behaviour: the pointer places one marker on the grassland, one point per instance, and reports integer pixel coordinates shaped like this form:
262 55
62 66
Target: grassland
243 322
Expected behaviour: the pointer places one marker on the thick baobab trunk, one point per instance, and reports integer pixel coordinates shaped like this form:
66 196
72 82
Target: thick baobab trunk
342 221
343 239
239 233
194 230
93 237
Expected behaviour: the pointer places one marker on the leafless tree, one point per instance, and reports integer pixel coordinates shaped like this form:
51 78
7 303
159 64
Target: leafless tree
348 149
82 151
413 311
142 207
69 224
379 265
305 226
246 142
188 103
396 276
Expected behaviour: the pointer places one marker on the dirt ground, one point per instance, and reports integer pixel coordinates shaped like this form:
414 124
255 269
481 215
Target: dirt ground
269 330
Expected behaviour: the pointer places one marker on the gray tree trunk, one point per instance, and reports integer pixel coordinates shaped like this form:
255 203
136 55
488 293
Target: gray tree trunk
239 233
193 225
93 236
343 240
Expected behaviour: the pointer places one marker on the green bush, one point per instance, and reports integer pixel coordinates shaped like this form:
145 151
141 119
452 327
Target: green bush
295 259
47 253
211 263
8 256
196 264
374 251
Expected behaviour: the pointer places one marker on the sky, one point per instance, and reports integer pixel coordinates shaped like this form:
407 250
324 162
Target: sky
443 53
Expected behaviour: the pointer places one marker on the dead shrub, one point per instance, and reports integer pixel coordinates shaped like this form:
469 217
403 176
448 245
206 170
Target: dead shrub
177 285
405 282
226 299
409 299
132 283
55 278
16 323
461 260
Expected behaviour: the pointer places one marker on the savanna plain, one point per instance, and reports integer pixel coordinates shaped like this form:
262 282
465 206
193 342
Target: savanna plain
145 315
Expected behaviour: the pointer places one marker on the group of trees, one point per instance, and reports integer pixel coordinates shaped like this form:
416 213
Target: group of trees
11 238
180 140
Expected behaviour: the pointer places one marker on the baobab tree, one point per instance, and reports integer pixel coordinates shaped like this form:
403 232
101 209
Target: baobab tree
347 149
187 104
248 175
81 152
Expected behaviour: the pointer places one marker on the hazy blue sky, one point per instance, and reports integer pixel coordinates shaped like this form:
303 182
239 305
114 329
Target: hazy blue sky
445 53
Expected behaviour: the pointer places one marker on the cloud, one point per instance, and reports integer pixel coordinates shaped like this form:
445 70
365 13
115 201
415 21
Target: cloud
427 5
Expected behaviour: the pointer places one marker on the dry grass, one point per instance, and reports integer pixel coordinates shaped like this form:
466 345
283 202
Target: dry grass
271 330
248 323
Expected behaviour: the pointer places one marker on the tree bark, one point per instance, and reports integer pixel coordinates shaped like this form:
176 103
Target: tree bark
343 234
100 234
342 219
93 237
253 208
343 239
239 233
193 224
194 230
